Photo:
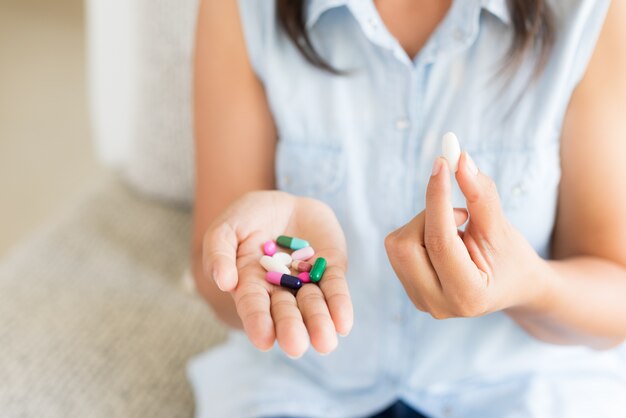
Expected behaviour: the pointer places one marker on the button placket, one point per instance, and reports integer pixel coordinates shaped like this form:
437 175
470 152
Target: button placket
402 123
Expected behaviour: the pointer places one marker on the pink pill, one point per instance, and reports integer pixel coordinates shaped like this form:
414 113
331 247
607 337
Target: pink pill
269 248
301 266
303 253
304 277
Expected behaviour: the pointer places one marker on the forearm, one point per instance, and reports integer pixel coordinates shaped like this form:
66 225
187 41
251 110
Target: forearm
581 303
222 303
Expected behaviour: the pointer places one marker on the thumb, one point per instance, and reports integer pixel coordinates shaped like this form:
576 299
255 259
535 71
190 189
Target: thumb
220 256
481 194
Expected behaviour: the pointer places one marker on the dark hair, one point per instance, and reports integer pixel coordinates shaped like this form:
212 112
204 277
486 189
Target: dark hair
532 22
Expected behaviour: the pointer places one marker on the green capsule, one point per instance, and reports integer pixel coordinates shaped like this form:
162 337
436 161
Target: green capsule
291 243
318 269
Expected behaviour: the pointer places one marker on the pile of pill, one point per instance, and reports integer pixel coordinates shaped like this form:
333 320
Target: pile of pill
277 264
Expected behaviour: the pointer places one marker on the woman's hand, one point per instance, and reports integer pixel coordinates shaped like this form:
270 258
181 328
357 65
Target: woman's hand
231 252
451 273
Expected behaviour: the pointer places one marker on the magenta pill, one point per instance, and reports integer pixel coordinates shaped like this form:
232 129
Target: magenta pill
303 253
269 248
304 277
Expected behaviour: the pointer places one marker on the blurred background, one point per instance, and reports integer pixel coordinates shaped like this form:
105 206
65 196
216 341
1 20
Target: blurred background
46 154
98 313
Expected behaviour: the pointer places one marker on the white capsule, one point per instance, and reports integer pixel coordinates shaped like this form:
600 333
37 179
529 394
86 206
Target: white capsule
282 258
451 151
272 264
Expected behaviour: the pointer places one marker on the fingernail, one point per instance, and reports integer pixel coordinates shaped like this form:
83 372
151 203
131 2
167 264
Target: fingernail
471 165
216 280
436 166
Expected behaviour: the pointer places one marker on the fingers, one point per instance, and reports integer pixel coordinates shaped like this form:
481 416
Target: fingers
219 254
440 223
480 192
288 323
446 250
252 301
460 216
335 289
317 318
410 261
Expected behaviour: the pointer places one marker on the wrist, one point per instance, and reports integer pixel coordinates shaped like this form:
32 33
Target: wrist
544 282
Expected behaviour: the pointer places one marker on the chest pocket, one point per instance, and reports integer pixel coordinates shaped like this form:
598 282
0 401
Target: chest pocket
510 170
524 173
312 169
528 180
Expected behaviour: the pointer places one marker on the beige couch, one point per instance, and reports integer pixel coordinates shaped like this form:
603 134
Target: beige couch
95 318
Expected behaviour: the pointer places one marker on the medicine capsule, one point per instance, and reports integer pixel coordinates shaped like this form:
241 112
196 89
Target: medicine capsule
271 264
282 258
284 280
318 269
304 277
301 266
291 242
303 253
451 151
269 248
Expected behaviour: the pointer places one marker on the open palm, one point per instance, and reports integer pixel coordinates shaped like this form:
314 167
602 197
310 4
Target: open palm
233 247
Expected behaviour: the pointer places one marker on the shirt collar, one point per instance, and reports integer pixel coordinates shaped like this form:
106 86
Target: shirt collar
498 8
316 8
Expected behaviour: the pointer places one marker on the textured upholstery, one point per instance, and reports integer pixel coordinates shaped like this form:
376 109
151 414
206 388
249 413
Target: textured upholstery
94 319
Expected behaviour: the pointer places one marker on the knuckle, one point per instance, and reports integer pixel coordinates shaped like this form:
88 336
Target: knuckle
217 233
391 240
491 188
306 296
490 194
433 192
440 314
318 317
436 243
402 252
470 308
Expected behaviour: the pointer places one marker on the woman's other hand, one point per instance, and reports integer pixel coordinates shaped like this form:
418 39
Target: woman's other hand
451 273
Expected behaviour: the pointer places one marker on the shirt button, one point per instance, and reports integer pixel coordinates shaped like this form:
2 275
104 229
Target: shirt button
286 180
371 22
447 411
518 190
402 124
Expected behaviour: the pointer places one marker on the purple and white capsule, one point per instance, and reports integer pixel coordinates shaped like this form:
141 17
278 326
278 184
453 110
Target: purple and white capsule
284 280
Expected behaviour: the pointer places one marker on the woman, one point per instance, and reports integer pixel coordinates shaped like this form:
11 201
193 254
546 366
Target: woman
341 104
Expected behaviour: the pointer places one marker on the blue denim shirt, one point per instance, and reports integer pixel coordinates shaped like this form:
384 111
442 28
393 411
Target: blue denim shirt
364 143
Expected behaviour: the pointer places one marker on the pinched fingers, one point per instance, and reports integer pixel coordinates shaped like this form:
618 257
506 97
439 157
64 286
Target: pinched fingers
446 251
